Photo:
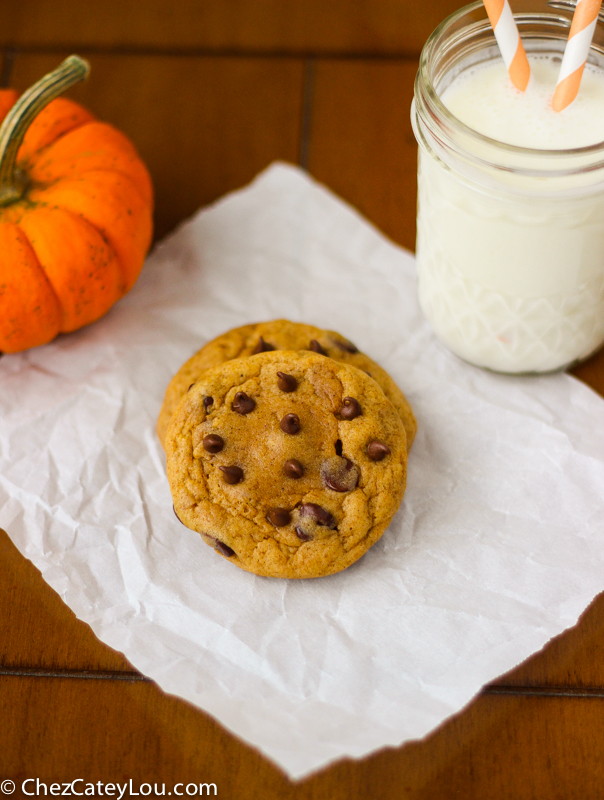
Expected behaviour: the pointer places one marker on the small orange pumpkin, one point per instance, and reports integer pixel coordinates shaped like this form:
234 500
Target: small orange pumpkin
76 206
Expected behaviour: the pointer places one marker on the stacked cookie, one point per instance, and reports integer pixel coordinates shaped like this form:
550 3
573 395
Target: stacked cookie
286 448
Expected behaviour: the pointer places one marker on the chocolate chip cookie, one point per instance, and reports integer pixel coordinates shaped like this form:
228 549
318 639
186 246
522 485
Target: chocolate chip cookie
279 335
288 464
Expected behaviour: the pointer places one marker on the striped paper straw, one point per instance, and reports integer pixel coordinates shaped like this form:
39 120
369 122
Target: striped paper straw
576 52
510 45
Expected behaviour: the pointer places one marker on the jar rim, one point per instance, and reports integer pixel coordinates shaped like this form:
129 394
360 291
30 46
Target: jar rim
443 112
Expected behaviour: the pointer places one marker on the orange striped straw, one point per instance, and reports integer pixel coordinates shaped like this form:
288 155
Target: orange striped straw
510 44
576 52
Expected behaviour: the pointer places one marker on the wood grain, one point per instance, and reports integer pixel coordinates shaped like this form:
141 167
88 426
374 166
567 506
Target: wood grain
362 145
204 126
37 630
591 372
284 26
574 659
504 747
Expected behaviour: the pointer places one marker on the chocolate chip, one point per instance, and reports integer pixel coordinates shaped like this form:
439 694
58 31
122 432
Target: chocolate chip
338 447
290 423
293 469
262 347
207 401
345 345
232 474
308 518
377 450
319 514
351 408
301 534
243 404
340 474
223 548
316 347
190 387
287 383
279 517
212 443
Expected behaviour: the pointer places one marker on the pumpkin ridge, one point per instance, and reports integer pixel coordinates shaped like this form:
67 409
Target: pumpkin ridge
123 156
59 117
83 269
123 273
39 266
41 185
35 154
123 216
14 213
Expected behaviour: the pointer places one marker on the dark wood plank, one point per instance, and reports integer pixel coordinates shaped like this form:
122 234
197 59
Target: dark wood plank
501 747
362 145
592 372
37 630
575 658
100 730
6 60
504 748
204 126
286 26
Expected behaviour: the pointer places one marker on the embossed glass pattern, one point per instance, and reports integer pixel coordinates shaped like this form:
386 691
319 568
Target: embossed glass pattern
485 207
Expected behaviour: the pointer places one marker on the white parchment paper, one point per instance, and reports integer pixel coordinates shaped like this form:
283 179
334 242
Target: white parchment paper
499 544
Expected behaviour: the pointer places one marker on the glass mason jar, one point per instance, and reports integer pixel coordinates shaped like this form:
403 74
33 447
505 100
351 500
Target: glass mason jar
510 240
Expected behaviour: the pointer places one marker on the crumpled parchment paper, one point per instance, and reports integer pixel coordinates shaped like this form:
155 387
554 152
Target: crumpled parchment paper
498 546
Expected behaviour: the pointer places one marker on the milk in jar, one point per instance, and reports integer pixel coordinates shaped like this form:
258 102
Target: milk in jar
510 241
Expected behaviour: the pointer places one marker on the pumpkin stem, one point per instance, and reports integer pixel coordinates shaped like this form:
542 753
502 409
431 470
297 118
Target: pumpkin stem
22 114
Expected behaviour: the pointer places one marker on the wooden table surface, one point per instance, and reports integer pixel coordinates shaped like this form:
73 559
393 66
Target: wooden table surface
211 92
